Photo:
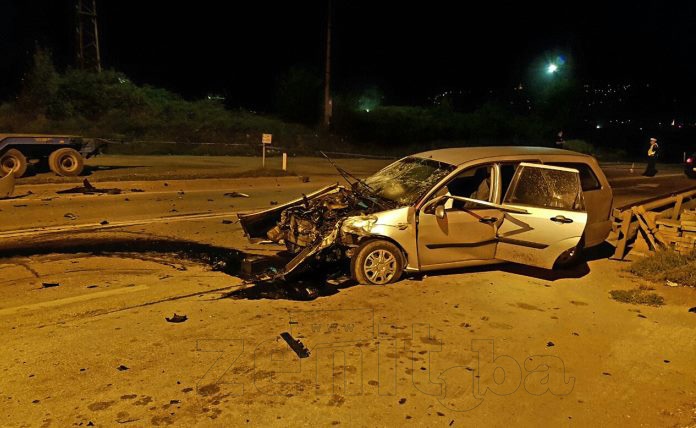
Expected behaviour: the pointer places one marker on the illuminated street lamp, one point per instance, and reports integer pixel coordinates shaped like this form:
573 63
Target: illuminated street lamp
552 68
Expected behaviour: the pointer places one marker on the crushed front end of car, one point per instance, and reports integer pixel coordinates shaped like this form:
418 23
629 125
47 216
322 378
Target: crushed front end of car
331 223
313 228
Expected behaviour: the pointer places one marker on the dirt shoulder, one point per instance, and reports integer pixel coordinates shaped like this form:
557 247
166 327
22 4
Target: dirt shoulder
421 351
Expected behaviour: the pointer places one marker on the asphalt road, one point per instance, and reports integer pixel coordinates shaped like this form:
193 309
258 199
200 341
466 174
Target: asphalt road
633 190
177 186
83 306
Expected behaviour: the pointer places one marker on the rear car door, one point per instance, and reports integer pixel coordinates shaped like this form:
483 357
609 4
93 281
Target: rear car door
546 217
598 200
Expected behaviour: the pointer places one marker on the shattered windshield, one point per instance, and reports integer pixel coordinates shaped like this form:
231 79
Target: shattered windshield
406 180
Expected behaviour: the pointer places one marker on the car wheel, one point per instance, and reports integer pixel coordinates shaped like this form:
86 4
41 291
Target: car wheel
66 162
570 257
13 161
377 263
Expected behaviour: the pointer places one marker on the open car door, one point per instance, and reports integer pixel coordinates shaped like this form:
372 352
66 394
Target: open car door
546 217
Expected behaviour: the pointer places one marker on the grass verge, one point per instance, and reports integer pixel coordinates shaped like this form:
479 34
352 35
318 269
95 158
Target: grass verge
667 266
638 296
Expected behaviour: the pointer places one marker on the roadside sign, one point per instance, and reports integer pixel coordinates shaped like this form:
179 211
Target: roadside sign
265 139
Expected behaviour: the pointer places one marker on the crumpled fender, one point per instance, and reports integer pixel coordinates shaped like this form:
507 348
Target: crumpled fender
397 225
256 225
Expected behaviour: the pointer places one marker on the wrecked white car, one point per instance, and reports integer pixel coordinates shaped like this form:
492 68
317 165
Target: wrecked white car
447 208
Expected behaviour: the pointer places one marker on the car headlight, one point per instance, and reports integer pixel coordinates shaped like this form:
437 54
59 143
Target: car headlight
359 224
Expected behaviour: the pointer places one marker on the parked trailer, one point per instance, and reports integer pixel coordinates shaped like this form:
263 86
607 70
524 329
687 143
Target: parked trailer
62 154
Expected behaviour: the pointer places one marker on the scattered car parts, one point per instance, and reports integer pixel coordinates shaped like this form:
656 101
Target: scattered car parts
176 318
88 189
7 185
236 195
49 284
296 345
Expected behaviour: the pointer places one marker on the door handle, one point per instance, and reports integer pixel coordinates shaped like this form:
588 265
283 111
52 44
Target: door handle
488 220
561 219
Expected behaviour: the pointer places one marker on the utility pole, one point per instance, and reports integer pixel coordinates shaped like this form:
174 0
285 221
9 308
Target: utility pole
87 34
328 103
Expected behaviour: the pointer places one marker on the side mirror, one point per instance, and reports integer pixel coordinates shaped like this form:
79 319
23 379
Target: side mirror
440 212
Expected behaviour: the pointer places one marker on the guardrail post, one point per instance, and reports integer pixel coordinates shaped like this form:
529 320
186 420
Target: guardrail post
622 241
677 207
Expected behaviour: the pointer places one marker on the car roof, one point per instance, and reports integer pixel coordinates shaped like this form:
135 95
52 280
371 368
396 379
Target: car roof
460 155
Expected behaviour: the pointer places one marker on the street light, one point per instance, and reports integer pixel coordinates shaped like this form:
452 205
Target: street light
552 68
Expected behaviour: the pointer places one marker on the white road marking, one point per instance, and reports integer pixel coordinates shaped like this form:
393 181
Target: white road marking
114 224
39 198
640 177
73 299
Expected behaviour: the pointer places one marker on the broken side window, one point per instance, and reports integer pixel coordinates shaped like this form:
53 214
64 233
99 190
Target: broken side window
588 179
547 188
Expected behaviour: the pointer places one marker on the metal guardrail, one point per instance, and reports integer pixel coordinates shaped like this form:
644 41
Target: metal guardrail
358 155
630 218
193 143
277 149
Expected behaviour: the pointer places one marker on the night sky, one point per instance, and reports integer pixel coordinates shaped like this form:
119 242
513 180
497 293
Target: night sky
410 50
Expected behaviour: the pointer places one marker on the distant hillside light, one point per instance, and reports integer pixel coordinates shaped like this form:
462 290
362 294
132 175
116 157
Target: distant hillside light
552 68
368 102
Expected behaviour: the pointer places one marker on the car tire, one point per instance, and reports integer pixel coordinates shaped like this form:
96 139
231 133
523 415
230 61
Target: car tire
377 262
66 162
13 161
571 257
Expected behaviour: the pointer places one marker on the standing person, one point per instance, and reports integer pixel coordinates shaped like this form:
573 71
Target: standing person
560 142
650 170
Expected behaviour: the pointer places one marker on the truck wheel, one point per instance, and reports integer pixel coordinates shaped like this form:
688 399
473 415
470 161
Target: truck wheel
377 263
13 161
66 162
